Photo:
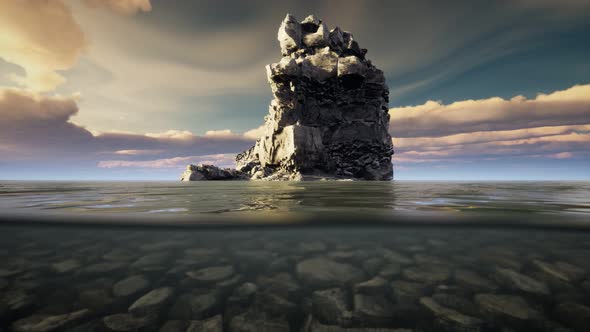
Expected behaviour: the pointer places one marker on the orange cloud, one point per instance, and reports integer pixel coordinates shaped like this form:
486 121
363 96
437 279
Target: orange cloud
43 38
125 7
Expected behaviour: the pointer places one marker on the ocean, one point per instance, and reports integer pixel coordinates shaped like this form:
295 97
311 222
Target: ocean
286 256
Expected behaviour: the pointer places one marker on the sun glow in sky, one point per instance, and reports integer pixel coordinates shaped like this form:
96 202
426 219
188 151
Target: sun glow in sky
137 89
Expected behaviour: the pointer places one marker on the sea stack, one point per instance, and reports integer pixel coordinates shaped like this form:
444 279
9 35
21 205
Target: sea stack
329 116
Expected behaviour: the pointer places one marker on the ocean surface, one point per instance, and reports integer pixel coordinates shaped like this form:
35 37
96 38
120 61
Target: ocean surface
305 257
274 202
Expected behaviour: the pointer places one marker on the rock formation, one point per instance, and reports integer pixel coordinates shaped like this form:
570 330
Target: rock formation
210 172
329 116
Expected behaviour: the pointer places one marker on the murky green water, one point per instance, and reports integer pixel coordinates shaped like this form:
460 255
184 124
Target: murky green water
295 199
467 257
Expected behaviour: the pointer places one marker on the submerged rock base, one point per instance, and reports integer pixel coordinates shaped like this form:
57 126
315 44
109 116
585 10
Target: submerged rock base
329 117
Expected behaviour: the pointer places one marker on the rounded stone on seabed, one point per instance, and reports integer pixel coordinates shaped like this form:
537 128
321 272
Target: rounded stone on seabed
4 273
213 324
395 257
97 300
200 257
45 323
372 265
574 315
473 281
377 285
195 305
281 283
102 268
407 292
125 322
505 306
245 291
120 254
66 266
372 309
430 274
456 302
323 272
449 319
130 285
174 326
312 246
252 322
151 302
212 274
275 305
16 302
560 270
330 307
390 270
515 280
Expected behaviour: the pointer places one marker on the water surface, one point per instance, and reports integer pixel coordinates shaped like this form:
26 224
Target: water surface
259 256
283 200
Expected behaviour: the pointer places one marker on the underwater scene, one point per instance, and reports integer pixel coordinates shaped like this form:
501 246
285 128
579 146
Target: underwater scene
493 263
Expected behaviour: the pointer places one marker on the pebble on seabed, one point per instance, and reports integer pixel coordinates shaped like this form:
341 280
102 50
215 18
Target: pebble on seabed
349 285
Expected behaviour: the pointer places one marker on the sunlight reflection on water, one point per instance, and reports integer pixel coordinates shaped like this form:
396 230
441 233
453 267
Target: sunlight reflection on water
295 198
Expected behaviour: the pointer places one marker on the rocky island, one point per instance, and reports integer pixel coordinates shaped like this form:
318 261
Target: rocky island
329 117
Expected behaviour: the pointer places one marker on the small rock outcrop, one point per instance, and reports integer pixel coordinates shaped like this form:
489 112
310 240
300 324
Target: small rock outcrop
329 116
209 172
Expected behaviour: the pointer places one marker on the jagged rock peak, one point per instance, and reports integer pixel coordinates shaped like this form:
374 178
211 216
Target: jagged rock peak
313 33
329 115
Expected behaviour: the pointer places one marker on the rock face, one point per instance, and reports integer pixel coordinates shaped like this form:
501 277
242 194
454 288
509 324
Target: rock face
329 116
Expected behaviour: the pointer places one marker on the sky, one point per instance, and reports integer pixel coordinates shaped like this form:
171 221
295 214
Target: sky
138 89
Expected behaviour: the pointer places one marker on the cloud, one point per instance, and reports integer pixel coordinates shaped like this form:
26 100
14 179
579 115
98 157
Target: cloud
36 127
224 133
138 152
43 38
173 134
562 155
487 136
432 119
255 133
125 7
222 160
555 125
196 58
